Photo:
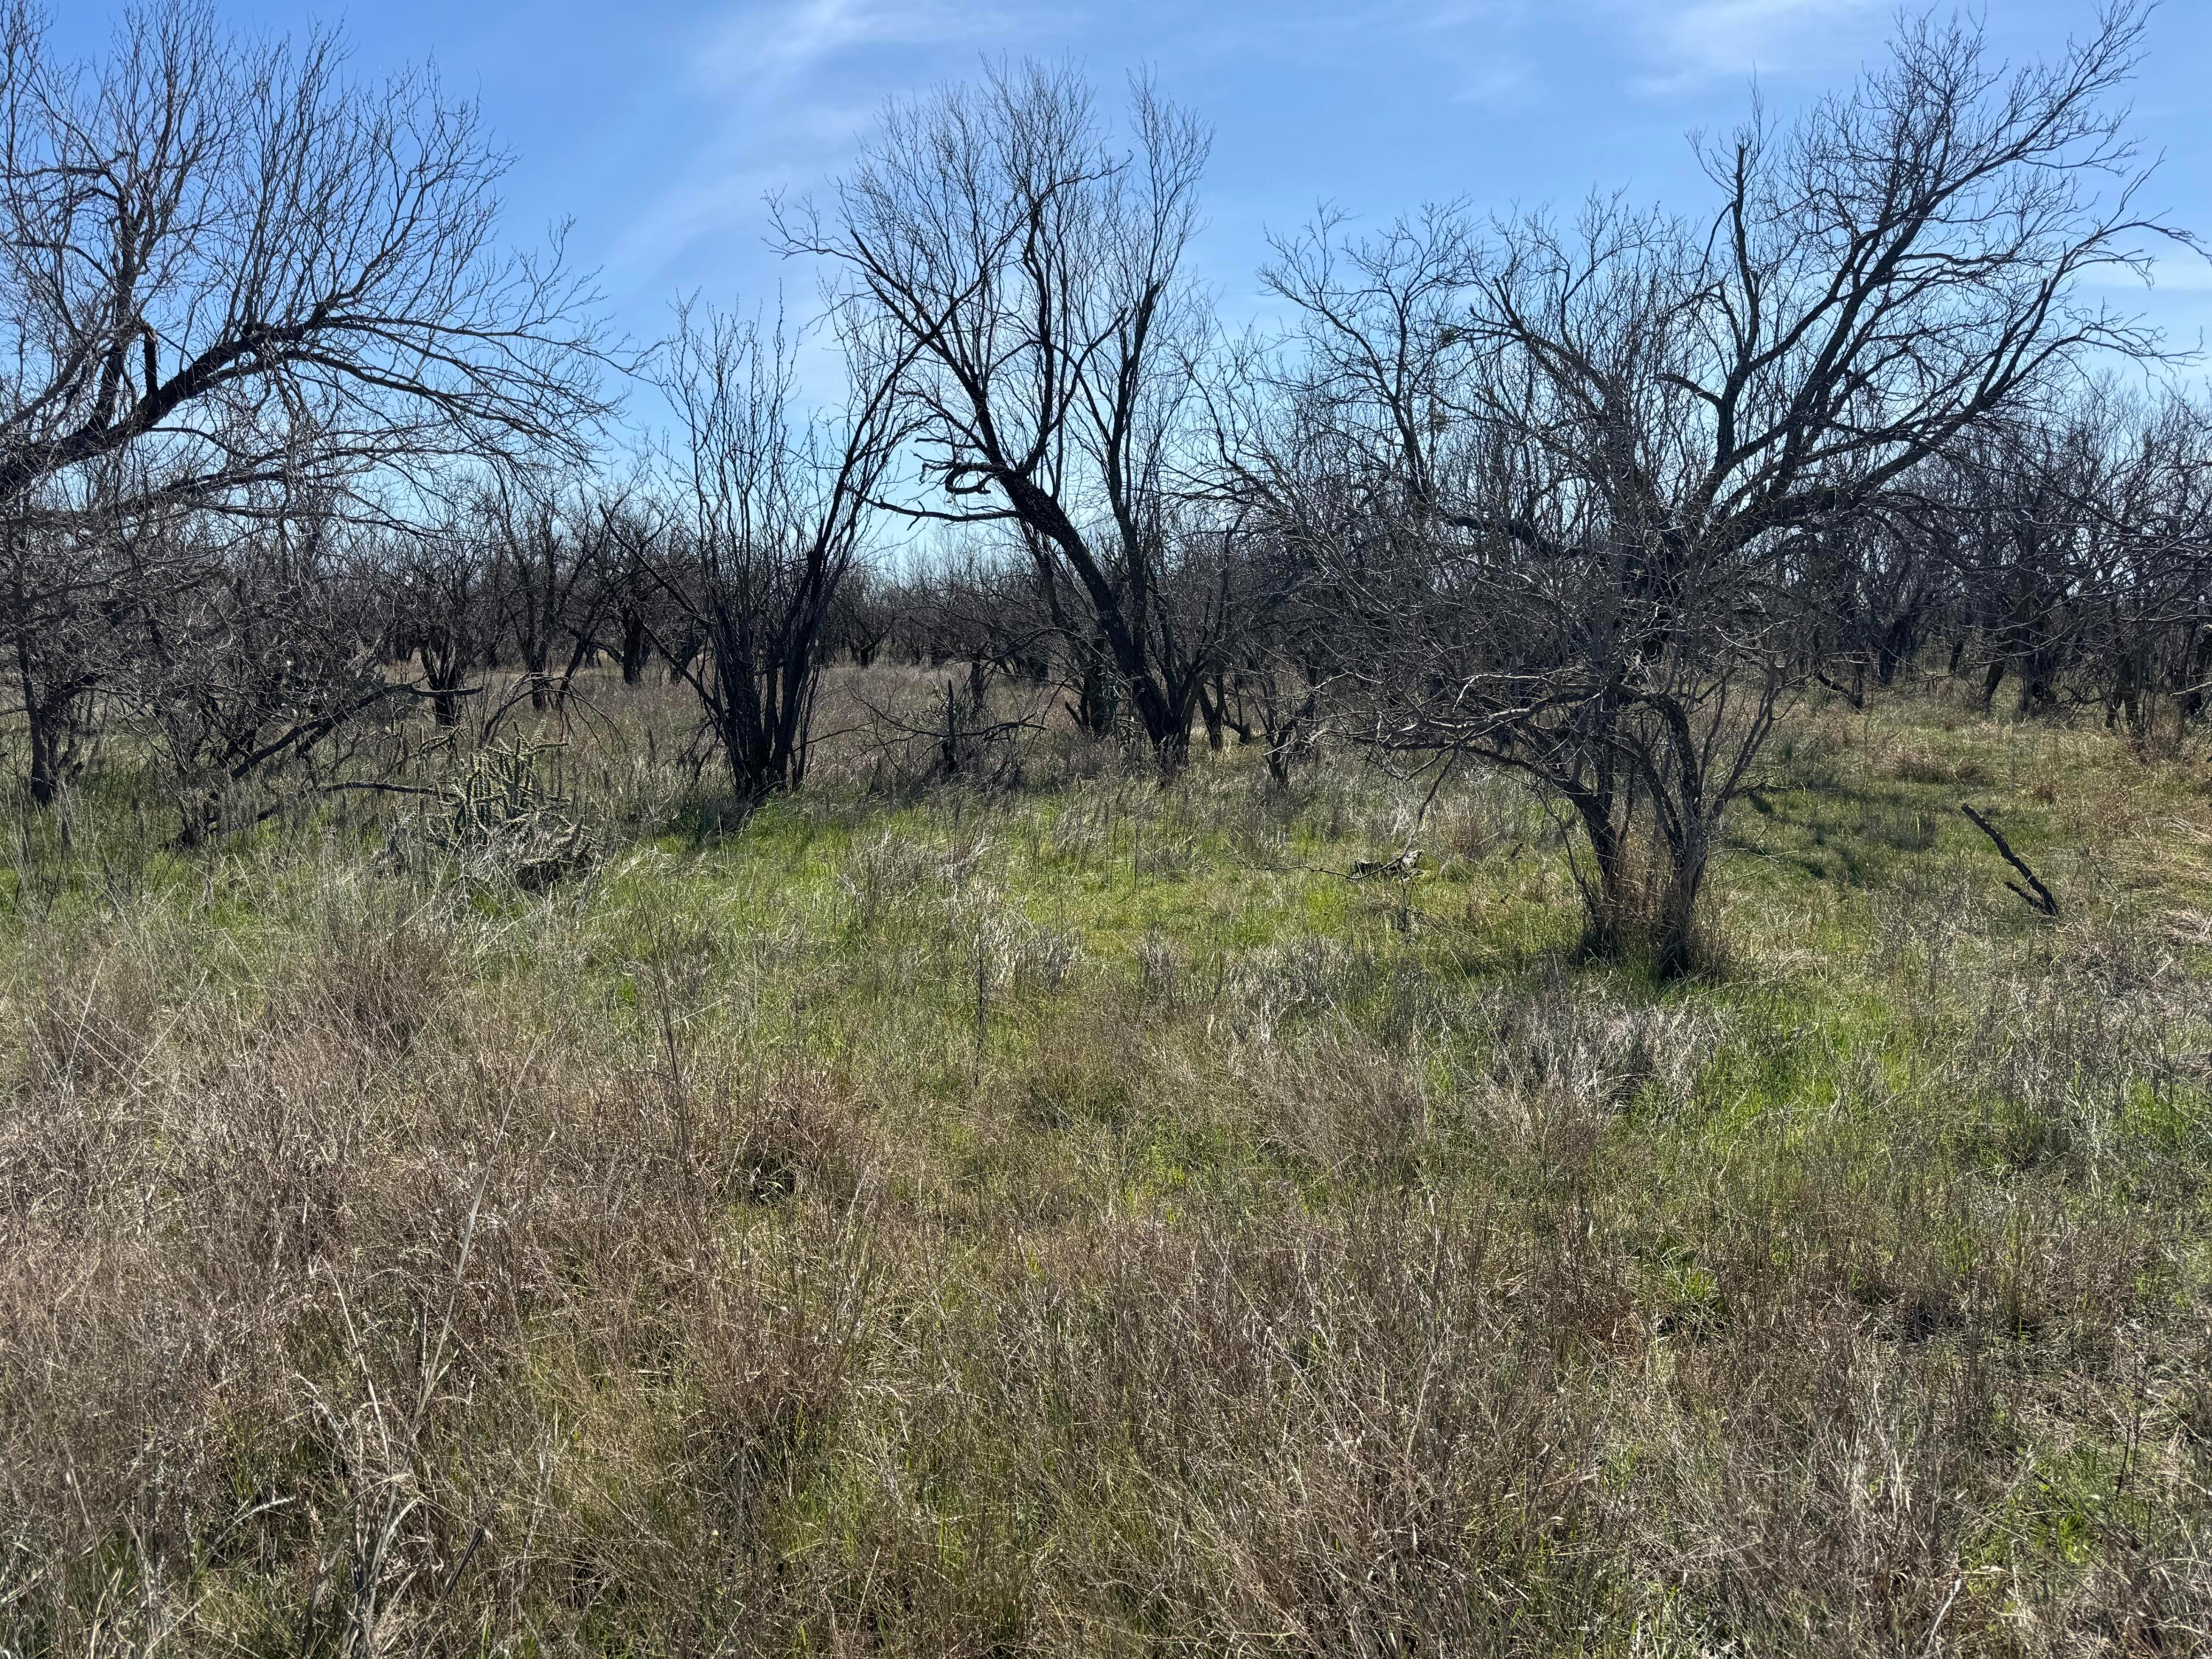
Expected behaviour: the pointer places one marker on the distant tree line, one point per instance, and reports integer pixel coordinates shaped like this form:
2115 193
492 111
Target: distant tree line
292 451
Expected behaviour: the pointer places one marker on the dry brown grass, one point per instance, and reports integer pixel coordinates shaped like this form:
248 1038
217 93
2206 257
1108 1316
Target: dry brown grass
1038 1224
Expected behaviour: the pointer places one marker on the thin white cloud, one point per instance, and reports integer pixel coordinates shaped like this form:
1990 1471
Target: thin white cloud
1502 83
788 86
763 46
1691 41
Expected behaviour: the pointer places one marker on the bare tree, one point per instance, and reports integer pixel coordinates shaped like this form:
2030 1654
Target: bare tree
551 549
864 616
441 571
1032 278
970 611
252 684
59 617
1611 441
769 513
205 239
2157 645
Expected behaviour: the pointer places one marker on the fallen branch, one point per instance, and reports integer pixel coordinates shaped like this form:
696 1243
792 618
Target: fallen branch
1361 869
2040 900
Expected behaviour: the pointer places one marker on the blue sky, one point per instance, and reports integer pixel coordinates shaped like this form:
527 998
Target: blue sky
658 126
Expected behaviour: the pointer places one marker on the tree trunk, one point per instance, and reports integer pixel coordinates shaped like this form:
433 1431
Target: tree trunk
1209 708
1675 941
1605 898
1095 703
53 716
49 742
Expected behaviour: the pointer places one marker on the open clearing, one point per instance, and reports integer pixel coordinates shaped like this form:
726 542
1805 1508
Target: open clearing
1077 1218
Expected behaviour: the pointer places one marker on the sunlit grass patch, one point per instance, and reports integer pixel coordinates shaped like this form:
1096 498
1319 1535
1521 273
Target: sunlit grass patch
1096 1216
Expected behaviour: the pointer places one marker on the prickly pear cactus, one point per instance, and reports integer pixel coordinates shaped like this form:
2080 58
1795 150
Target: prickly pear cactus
501 818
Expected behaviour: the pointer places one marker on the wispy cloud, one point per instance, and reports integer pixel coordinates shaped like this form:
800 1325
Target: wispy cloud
1691 41
1501 83
786 89
762 48
1480 43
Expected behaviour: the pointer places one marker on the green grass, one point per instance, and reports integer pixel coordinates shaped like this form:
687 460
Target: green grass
1076 1219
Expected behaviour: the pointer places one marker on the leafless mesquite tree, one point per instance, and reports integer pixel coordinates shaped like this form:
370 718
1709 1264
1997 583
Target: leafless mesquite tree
228 269
768 512
1033 278
2153 641
440 567
1608 440
63 582
554 547
204 236
255 684
2077 546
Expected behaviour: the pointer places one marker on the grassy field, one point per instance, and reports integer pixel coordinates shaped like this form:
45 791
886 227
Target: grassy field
1078 1219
